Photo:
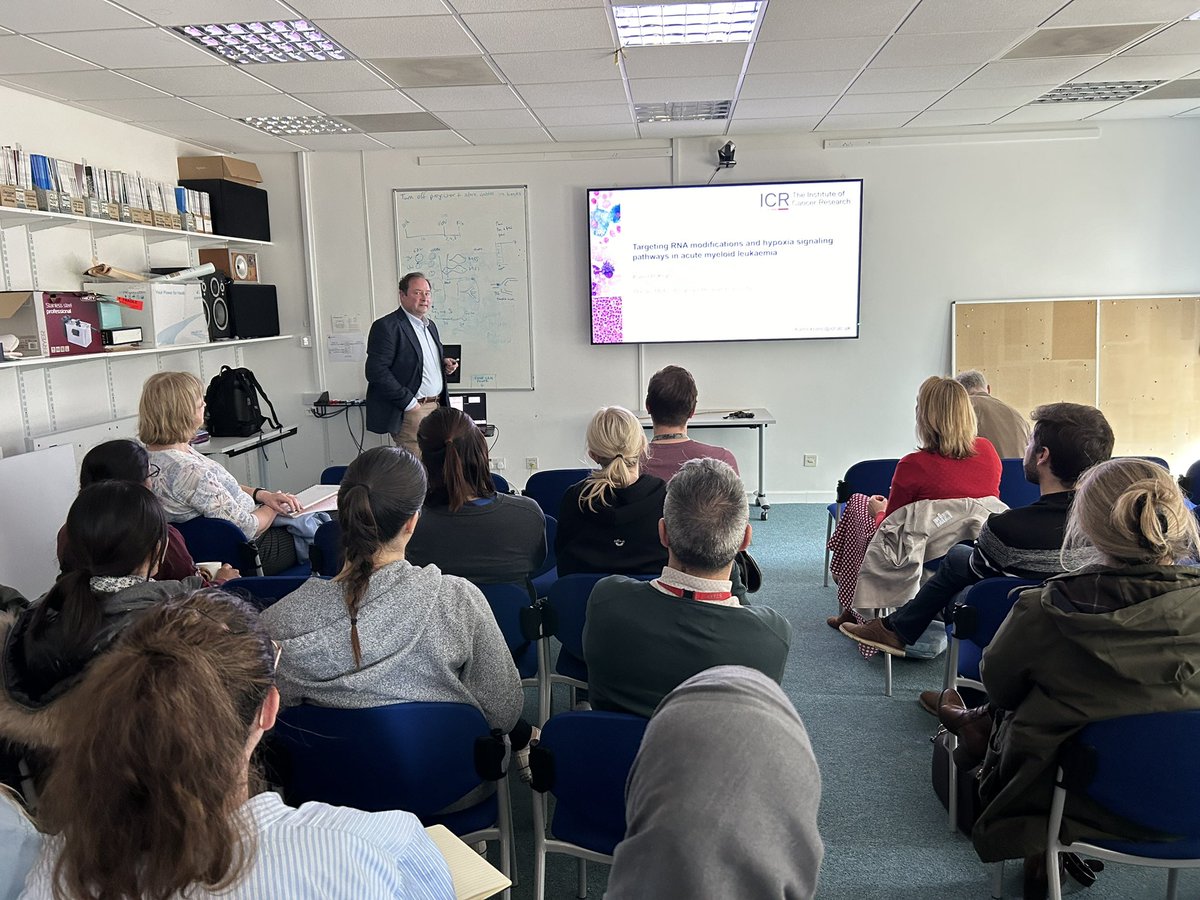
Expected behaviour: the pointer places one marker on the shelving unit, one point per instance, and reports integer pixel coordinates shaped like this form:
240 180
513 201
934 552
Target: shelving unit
36 220
110 356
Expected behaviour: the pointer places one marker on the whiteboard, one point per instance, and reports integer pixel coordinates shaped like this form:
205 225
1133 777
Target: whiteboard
37 490
473 246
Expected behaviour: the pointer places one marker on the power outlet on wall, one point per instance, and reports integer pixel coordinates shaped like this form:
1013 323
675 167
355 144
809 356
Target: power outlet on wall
499 463
531 463
810 459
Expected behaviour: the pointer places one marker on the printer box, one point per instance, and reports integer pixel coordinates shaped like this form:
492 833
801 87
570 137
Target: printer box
172 313
65 323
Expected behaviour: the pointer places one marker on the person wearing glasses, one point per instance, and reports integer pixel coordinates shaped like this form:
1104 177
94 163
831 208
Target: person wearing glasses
406 366
154 791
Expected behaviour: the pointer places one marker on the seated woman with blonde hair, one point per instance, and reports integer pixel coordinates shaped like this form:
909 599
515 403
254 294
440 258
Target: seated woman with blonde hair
154 794
609 521
189 484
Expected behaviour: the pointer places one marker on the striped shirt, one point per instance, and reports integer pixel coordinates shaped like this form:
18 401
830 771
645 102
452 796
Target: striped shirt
317 851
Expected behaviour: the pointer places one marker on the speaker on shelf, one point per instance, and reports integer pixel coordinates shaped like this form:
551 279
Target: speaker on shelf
239 265
253 308
216 307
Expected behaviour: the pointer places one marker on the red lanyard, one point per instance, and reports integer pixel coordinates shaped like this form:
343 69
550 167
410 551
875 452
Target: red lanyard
692 595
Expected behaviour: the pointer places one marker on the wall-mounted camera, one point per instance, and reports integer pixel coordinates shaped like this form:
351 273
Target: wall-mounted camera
725 158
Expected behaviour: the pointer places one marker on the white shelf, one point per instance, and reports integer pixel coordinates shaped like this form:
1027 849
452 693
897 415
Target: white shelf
37 220
35 361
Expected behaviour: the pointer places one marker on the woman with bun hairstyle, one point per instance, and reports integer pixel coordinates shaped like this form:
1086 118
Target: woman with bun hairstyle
1115 638
609 521
153 794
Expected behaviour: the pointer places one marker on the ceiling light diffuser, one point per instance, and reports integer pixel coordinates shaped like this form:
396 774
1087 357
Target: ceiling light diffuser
286 125
293 40
686 23
1096 91
690 111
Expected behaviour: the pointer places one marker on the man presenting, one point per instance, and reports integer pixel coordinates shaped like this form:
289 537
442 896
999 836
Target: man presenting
998 422
405 366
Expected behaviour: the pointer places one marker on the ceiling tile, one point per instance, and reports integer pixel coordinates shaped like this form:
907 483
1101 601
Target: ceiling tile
663 90
21 55
916 78
335 142
784 106
1047 43
1181 38
400 36
481 119
92 85
1018 72
364 9
393 122
808 84
1183 89
942 16
231 135
153 109
66 15
360 102
403 139
1142 68
812 56
573 92
255 105
855 104
872 122
684 61
944 118
973 48
1010 98
1052 112
296 78
683 129
832 18
491 6
1114 12
456 98
530 30
766 126
206 80
593 132
507 136
1149 109
431 71
588 115
207 12
133 48
557 65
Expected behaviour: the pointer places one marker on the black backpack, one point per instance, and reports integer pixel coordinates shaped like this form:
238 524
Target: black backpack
232 401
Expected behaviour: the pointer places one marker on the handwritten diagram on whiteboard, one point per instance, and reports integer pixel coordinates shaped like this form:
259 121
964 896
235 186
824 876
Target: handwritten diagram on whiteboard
473 246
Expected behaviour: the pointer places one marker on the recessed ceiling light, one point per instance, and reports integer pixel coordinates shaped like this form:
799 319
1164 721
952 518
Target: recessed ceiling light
293 40
686 23
284 125
1096 91
690 111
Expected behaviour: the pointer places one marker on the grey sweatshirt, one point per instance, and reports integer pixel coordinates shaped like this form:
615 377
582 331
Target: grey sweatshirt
425 637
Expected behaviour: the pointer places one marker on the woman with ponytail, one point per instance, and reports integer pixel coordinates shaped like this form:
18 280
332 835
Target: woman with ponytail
153 794
466 528
116 536
609 521
1118 637
385 631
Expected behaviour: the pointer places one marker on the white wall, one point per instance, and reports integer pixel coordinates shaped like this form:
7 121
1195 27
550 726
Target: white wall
1108 216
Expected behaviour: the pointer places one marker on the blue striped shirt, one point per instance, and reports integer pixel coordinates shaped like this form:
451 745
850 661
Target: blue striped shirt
318 851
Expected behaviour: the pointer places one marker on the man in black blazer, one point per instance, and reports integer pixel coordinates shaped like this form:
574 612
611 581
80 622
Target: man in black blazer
406 366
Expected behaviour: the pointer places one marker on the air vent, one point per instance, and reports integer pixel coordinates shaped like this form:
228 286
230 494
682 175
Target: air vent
689 111
1096 92
285 125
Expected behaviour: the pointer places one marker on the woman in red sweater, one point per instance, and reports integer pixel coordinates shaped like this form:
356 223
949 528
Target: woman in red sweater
953 462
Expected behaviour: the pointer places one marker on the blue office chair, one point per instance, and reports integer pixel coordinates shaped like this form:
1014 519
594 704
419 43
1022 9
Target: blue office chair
333 475
1015 489
326 550
500 483
1142 768
870 477
509 603
419 757
548 487
264 590
219 540
1157 460
583 759
545 576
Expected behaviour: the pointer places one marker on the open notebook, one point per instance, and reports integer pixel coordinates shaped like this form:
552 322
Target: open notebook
311 496
474 877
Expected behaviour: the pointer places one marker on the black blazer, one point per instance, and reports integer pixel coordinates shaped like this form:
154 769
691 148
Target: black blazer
394 370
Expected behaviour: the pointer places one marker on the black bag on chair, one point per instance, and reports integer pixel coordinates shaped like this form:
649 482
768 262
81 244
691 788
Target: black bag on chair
232 401
969 804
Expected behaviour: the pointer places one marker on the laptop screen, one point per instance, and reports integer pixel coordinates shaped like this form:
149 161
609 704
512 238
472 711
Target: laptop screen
473 404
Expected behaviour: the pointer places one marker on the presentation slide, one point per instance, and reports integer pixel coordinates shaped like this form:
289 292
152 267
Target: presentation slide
725 262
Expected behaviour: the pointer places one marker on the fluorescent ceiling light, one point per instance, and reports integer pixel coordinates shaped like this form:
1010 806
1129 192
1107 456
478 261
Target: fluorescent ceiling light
691 111
686 23
293 40
1093 91
284 125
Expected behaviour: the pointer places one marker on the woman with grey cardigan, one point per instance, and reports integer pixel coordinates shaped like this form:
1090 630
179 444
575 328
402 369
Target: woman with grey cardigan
384 631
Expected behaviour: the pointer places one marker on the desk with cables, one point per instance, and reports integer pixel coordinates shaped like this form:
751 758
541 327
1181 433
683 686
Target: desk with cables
237 446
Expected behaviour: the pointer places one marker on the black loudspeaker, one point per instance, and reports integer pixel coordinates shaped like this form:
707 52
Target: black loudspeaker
238 210
253 309
216 307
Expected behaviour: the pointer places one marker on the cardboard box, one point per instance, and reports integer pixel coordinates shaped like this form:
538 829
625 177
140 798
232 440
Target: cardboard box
227 168
172 314
52 201
66 323
17 317
159 219
78 206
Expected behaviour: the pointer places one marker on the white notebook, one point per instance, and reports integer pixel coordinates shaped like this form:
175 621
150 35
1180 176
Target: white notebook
311 496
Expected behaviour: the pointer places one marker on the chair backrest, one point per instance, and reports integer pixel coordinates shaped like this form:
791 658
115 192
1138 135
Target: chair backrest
870 476
333 475
500 483
326 551
1190 482
507 601
987 604
1157 460
219 540
548 486
568 600
263 590
418 757
551 559
1015 489
1144 769
583 759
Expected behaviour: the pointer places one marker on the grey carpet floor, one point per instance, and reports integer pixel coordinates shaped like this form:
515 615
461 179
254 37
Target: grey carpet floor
885 832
